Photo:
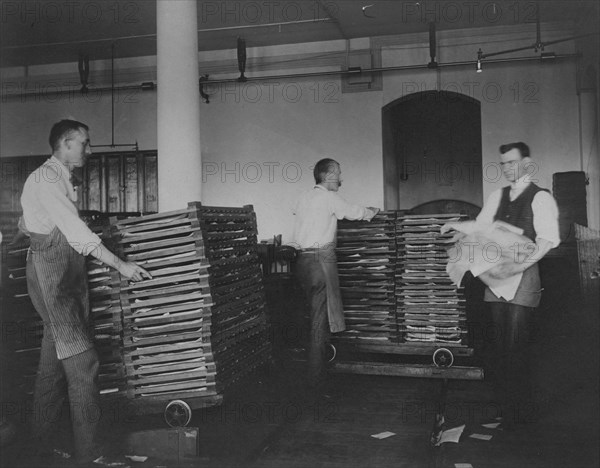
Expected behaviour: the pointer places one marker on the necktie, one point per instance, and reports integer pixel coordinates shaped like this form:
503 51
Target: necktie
75 181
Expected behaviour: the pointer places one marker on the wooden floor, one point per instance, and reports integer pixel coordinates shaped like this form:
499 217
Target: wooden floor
272 423
338 434
566 356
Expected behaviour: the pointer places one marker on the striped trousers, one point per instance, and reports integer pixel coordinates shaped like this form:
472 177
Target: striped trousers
57 286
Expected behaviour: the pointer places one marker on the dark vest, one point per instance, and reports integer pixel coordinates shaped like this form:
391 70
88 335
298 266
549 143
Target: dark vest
518 212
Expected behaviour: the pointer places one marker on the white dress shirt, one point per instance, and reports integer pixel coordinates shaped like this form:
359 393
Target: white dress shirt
545 210
48 201
317 213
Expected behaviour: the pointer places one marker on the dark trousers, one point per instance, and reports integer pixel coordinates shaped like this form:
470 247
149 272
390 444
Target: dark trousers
312 279
508 343
74 377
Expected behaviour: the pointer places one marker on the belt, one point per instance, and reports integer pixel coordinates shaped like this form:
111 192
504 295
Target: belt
38 236
315 249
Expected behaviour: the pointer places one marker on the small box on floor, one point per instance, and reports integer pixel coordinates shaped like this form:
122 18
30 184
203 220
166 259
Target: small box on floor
172 443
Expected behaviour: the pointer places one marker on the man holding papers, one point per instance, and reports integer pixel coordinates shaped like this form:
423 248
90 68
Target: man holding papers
517 226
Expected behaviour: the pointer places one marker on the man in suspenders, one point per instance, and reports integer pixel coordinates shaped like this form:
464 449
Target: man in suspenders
57 286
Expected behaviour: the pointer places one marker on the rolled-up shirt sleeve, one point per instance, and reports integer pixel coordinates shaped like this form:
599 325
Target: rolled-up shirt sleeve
344 210
63 214
545 217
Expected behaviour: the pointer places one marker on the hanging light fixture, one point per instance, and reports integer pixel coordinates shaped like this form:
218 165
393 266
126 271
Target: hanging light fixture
83 65
538 45
112 101
241 56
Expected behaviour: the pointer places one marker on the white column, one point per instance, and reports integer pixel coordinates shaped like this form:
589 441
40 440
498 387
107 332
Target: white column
178 136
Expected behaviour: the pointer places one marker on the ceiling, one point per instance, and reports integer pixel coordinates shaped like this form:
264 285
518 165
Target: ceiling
46 31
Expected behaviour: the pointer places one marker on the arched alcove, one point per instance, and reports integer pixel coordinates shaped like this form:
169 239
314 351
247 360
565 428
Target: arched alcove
432 149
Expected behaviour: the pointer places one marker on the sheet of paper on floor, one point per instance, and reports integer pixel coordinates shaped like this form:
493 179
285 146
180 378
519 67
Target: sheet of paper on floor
491 425
451 435
383 435
481 436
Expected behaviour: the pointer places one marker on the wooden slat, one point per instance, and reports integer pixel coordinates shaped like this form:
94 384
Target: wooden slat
409 370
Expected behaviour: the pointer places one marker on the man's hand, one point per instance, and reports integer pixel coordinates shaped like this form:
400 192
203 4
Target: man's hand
447 227
458 236
371 212
129 270
507 269
133 271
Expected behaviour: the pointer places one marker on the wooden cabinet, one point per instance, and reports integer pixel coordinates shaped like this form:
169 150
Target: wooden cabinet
120 182
112 182
13 173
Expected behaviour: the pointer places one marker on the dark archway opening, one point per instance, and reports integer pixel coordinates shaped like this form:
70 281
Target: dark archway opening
432 150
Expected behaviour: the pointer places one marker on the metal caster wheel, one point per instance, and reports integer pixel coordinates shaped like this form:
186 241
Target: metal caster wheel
178 413
443 357
331 352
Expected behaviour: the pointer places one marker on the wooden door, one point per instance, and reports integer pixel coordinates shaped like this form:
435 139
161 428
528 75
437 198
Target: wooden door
92 192
114 183
149 182
432 149
111 182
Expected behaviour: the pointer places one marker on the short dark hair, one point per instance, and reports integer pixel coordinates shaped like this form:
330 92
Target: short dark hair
522 147
63 128
322 168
